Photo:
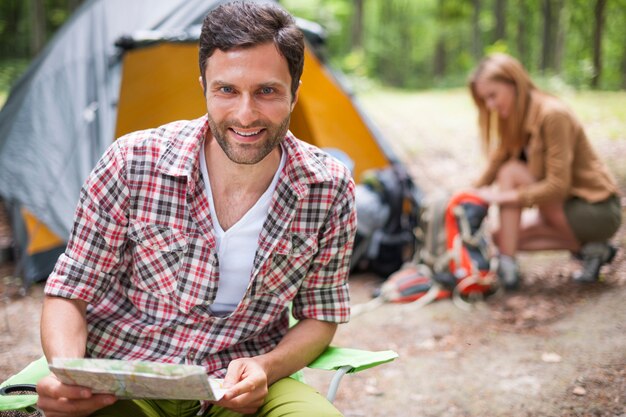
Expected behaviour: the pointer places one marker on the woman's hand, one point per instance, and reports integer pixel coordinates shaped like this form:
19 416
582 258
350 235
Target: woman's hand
500 197
57 399
247 385
486 193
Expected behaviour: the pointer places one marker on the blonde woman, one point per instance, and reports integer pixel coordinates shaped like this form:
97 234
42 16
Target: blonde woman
539 156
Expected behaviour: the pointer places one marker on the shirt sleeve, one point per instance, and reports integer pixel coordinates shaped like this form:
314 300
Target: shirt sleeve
95 248
324 293
558 137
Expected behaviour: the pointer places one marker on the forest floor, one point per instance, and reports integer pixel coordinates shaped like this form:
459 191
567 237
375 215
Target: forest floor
552 348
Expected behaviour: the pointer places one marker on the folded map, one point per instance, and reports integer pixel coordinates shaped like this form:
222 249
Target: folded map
139 379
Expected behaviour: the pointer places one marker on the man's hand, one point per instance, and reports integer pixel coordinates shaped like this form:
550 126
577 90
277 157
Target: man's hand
57 399
246 381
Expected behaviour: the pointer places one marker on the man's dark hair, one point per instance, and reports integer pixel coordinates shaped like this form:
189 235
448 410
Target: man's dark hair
246 24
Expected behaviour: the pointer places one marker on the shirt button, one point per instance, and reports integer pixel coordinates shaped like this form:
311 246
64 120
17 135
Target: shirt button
191 356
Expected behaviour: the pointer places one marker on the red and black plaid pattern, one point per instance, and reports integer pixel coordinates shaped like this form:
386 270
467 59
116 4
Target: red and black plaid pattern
142 253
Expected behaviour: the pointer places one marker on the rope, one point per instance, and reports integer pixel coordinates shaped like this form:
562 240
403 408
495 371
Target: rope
373 304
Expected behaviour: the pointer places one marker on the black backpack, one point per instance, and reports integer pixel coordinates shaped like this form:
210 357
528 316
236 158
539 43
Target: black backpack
388 206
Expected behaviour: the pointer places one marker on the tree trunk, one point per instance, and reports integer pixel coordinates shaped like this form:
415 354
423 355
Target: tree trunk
561 30
384 64
357 25
10 45
439 65
561 27
500 14
73 5
624 67
522 21
547 39
477 47
439 59
38 26
597 42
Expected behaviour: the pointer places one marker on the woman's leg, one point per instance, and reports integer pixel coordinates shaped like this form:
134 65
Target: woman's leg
547 229
512 175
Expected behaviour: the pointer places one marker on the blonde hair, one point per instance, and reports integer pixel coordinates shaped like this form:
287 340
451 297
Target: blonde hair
510 131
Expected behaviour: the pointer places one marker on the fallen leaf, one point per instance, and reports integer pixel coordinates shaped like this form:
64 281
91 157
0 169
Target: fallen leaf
372 390
551 357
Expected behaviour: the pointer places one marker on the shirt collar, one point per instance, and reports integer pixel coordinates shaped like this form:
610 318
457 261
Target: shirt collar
304 165
181 157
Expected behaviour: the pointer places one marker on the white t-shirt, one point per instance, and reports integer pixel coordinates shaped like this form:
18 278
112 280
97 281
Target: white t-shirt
237 246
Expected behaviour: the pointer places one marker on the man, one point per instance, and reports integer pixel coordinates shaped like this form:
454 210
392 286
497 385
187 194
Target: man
191 240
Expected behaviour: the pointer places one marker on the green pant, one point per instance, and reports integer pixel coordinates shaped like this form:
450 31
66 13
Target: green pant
593 222
286 397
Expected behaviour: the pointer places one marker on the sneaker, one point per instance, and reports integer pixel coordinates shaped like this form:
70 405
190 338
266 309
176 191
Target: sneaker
594 255
508 272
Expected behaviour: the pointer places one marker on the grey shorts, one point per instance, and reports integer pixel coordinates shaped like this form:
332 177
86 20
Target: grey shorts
594 222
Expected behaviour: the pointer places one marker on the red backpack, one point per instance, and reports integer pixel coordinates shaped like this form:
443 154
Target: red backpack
454 255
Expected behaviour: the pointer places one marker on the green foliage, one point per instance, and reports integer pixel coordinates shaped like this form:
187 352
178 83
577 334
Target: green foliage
17 24
10 70
57 16
499 46
14 37
333 15
411 43
614 48
426 43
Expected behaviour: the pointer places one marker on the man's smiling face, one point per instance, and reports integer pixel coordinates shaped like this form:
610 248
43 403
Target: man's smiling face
249 101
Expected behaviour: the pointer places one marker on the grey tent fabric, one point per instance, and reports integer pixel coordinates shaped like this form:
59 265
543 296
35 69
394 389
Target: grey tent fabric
60 116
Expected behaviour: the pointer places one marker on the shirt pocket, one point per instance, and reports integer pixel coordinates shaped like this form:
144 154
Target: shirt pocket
157 253
289 265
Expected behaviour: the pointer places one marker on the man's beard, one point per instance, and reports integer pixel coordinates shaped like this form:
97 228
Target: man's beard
252 153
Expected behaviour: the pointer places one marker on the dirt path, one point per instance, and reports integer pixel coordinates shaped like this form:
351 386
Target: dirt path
552 349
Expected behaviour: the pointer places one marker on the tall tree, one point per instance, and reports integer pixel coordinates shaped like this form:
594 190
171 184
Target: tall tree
500 14
10 33
624 67
560 29
383 64
439 59
73 5
522 33
546 50
357 25
597 42
550 28
477 47
38 26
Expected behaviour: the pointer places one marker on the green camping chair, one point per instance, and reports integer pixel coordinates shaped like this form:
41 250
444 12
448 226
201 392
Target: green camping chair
341 360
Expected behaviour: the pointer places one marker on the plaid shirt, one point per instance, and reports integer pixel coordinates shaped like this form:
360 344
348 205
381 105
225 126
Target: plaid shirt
142 253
